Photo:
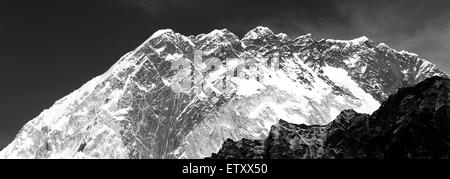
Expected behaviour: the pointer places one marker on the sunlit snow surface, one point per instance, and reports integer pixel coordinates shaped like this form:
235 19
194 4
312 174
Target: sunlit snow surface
131 111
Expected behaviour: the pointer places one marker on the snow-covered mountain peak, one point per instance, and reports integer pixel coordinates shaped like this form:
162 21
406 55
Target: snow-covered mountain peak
383 46
165 42
218 42
258 32
259 36
218 35
162 32
221 32
135 109
283 37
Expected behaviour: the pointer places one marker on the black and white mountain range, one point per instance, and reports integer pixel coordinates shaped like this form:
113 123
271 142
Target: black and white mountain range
137 109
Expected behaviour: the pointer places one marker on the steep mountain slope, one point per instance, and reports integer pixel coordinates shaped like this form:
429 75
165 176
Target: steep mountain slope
182 97
414 123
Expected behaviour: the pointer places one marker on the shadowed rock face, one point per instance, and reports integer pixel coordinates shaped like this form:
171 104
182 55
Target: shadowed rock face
132 111
412 124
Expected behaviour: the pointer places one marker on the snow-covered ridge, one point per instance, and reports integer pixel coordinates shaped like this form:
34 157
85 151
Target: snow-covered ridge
356 41
261 31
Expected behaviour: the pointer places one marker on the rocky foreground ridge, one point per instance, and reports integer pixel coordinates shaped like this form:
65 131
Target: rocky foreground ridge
412 124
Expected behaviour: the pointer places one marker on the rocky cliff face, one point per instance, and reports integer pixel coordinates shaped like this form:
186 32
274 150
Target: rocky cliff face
412 124
137 109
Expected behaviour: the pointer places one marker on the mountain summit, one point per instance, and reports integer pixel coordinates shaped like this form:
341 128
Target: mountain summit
179 96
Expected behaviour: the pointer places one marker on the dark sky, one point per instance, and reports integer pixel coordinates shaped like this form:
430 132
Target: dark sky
50 48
